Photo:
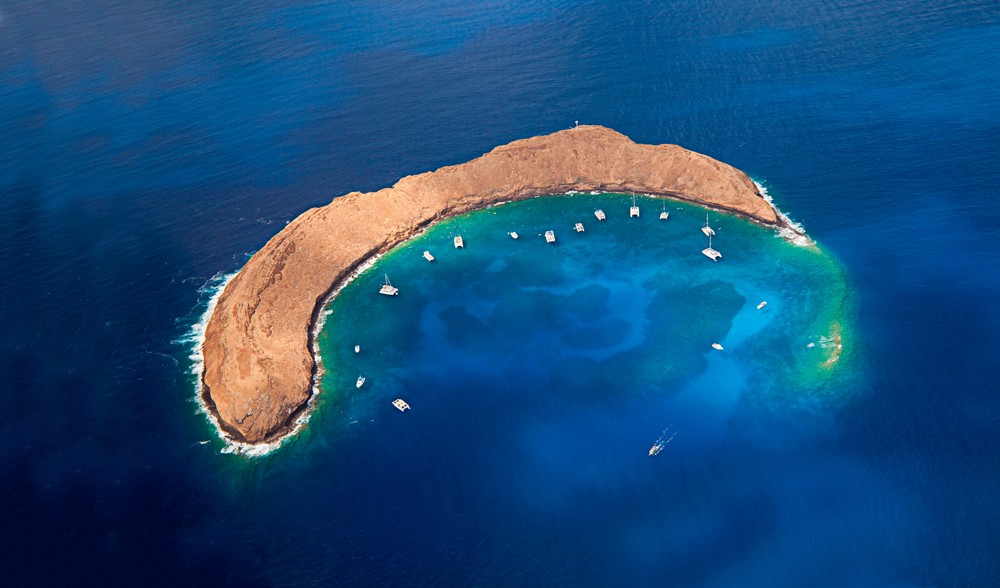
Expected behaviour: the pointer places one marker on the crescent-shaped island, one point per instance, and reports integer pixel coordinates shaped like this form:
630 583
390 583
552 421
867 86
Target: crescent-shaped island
259 364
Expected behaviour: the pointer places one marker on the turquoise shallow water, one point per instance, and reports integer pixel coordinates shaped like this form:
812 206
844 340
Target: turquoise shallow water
627 308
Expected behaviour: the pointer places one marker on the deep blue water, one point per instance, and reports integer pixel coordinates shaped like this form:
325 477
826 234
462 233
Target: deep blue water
147 147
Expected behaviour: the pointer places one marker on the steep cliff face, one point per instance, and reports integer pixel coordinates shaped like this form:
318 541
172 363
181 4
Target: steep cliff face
258 362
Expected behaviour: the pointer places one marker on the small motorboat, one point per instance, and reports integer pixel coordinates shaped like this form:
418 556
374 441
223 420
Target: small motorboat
428 256
716 346
762 304
360 382
513 235
357 349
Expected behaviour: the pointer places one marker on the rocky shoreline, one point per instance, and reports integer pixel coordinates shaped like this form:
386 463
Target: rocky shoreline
260 367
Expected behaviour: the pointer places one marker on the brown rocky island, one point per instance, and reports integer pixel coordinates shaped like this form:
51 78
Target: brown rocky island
259 365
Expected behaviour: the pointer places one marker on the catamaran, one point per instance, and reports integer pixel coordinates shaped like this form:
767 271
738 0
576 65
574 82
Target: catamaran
428 256
634 211
400 404
711 253
578 228
707 229
459 244
550 236
599 214
664 215
387 288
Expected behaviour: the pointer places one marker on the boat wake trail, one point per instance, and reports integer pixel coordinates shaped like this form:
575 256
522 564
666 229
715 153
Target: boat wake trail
665 437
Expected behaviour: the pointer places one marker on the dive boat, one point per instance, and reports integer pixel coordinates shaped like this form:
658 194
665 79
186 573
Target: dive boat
550 236
400 404
599 214
459 244
578 228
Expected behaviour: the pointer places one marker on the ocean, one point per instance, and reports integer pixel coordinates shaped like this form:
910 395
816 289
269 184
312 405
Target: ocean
148 149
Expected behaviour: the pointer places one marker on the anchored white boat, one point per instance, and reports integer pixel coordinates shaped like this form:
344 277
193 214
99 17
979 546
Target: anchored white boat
550 236
707 229
387 288
716 346
428 256
400 404
513 234
664 215
711 253
634 211
360 382
599 214
578 228
357 349
762 304
459 244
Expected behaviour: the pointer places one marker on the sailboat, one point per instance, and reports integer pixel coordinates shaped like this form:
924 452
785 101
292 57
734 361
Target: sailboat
707 229
664 215
634 211
387 288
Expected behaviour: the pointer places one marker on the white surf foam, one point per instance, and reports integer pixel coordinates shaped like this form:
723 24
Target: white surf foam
792 230
195 341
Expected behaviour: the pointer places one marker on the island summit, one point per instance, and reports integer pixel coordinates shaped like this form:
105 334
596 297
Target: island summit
259 363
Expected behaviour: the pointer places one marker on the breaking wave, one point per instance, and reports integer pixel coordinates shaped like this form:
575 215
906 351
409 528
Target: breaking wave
793 231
